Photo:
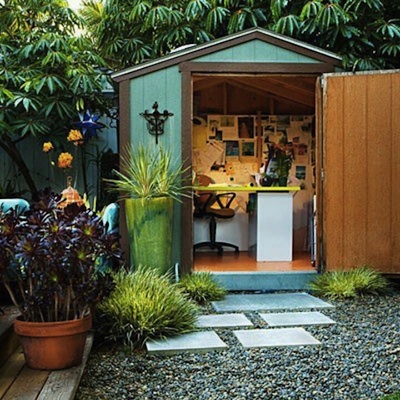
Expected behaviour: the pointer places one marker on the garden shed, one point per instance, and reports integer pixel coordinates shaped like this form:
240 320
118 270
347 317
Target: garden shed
353 162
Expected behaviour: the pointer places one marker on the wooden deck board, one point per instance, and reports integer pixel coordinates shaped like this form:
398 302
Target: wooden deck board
9 341
18 382
10 370
27 385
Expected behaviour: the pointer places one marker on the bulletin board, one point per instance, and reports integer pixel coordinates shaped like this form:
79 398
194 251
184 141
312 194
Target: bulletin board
233 139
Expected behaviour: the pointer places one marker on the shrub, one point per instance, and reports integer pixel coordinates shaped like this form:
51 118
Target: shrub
394 396
145 305
342 284
201 287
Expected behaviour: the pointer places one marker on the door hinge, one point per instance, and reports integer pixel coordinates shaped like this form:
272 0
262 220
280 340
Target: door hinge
322 174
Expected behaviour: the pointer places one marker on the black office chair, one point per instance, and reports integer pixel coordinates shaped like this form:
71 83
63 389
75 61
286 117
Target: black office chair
203 208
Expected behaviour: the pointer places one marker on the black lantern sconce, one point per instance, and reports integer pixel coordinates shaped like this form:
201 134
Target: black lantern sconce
156 120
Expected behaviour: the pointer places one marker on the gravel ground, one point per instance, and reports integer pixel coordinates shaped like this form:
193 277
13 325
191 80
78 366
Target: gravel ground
359 359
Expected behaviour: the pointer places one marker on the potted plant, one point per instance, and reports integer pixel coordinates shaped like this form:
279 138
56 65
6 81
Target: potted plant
149 182
52 265
283 163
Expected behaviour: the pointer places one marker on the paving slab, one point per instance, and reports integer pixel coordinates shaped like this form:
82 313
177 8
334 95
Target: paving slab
223 321
269 301
285 337
296 318
195 342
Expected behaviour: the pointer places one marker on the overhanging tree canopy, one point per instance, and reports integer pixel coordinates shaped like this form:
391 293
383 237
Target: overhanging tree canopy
365 32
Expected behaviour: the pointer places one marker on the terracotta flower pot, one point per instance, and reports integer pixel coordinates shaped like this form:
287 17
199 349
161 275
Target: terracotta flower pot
53 345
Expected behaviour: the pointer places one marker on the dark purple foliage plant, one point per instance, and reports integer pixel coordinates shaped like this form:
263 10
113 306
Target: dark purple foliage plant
55 263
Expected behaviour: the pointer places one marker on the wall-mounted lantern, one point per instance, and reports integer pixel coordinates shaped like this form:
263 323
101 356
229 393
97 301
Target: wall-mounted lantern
156 120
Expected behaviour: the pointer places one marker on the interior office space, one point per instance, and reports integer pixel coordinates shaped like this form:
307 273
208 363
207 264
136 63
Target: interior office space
236 123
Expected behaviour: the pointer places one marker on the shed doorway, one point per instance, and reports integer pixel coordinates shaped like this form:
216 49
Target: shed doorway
274 108
356 137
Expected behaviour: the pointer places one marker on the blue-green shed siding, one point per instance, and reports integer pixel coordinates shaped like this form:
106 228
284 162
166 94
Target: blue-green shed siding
163 86
256 51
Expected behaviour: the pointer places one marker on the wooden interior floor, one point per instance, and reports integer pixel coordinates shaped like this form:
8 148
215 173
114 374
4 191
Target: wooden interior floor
229 262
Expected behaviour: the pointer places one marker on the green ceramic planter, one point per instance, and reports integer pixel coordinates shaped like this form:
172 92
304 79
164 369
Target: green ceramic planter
150 232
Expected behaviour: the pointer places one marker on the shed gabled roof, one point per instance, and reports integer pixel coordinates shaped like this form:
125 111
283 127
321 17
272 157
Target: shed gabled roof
195 51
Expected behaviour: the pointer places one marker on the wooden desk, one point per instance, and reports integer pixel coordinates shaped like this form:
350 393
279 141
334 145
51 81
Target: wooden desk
271 222
234 188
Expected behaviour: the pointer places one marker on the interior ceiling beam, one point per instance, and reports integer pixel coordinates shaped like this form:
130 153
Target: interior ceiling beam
279 92
304 85
257 90
207 83
268 96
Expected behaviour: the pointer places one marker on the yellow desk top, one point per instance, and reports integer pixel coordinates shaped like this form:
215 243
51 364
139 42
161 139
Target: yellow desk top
234 188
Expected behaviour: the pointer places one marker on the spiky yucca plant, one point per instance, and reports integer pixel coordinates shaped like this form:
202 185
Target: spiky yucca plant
202 287
145 305
149 173
342 284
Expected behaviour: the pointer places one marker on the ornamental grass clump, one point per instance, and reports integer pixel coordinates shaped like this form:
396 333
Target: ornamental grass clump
394 396
348 284
144 305
202 287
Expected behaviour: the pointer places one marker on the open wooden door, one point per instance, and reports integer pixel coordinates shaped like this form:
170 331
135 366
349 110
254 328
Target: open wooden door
358 171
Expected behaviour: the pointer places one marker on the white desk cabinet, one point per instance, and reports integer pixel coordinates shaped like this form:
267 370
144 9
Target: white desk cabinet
271 227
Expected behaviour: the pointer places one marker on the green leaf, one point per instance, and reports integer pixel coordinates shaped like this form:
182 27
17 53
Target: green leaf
277 7
49 108
390 28
157 15
356 5
5 94
54 58
4 126
288 25
331 15
349 31
196 9
308 27
390 49
176 17
26 102
139 10
310 9
80 104
26 51
63 109
215 17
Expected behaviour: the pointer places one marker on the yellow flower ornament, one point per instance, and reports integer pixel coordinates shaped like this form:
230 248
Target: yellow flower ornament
48 146
75 136
65 160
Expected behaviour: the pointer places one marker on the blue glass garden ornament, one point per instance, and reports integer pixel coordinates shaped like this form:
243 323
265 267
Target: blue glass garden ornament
88 125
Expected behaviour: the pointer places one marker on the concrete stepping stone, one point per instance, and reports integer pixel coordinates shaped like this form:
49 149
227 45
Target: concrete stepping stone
195 342
269 301
223 321
296 318
285 337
